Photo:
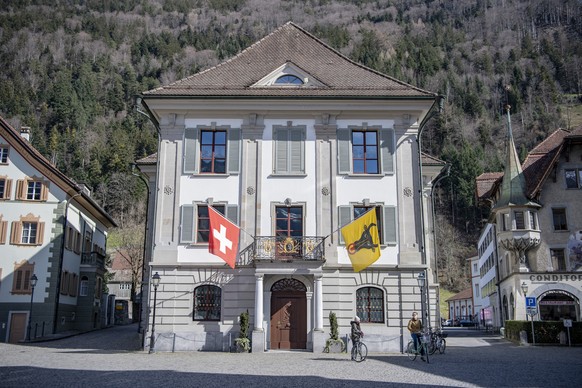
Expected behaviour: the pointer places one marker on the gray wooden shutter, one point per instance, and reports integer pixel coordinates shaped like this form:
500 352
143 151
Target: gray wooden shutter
297 151
232 213
190 147
343 151
389 225
345 217
387 150
187 224
281 157
234 145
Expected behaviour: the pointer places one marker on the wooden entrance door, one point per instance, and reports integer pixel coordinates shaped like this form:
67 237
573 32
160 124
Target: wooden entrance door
17 327
288 320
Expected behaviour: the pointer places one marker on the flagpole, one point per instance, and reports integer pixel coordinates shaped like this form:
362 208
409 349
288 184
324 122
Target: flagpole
232 222
373 208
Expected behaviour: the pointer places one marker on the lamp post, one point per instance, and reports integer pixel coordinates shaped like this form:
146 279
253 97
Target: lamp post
155 282
33 281
421 279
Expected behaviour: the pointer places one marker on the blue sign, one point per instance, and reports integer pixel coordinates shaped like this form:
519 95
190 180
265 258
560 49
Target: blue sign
530 301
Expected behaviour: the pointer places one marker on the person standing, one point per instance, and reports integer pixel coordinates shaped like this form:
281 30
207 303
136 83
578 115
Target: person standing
357 332
415 329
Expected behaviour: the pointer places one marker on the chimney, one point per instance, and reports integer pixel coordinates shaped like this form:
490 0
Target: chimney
25 133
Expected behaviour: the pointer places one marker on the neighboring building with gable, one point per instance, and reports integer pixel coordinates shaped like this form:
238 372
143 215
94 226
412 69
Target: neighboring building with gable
37 205
291 141
537 213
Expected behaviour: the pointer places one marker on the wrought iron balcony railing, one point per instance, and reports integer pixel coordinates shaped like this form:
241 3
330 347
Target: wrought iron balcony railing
283 249
93 258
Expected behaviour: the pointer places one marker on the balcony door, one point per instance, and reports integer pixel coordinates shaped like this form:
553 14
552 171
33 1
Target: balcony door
289 230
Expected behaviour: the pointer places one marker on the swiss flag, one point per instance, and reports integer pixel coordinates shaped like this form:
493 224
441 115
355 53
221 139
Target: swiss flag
223 238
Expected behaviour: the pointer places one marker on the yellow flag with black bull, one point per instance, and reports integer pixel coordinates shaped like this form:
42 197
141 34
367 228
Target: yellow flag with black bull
362 241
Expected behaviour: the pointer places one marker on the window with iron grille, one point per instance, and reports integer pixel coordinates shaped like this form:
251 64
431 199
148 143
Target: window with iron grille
207 303
370 304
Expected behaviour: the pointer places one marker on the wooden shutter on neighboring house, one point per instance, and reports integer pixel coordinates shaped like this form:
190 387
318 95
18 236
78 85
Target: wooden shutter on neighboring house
44 191
3 231
7 189
16 232
40 233
21 189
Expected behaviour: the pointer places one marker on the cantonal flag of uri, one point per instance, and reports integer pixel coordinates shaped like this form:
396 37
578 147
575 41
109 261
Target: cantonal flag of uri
223 238
362 241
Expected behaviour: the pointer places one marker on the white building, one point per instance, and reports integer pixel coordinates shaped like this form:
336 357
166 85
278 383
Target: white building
52 229
291 140
486 279
537 213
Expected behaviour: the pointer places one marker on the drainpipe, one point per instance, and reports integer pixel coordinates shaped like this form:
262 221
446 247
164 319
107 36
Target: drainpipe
61 260
436 266
439 102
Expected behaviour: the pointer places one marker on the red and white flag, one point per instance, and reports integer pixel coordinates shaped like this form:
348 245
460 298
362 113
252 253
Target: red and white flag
223 239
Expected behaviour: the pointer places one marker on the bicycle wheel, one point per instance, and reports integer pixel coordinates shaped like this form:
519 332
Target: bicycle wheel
410 351
442 345
361 352
432 346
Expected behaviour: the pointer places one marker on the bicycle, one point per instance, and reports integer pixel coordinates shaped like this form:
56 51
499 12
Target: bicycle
359 351
437 341
412 353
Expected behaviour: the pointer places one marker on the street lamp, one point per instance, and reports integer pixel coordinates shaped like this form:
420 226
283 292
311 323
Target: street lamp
524 289
155 282
421 279
33 281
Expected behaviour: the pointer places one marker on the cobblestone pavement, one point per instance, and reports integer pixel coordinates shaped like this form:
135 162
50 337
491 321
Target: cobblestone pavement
111 358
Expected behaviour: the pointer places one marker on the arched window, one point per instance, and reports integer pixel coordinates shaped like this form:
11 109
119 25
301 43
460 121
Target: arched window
370 304
289 79
207 303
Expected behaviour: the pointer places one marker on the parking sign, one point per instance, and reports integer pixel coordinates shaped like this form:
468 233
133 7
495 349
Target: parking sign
530 301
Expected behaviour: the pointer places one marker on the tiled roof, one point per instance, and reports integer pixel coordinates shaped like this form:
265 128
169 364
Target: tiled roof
429 160
465 294
340 76
536 167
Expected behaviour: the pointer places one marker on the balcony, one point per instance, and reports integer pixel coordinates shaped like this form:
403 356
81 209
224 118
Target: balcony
94 259
283 249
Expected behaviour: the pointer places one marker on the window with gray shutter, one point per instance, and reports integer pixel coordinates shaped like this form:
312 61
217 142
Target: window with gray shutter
345 217
389 225
187 224
234 145
289 150
343 151
387 228
387 150
350 154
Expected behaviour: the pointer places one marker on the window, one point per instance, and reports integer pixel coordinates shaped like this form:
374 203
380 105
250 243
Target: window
21 280
207 303
519 220
98 288
87 241
477 290
65 282
73 283
211 150
33 189
5 187
28 231
3 154
573 178
386 216
195 224
559 216
365 150
84 288
532 220
289 146
289 79
289 221
370 304
558 259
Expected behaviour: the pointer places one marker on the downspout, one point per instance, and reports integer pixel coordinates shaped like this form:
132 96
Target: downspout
61 261
431 113
140 104
436 265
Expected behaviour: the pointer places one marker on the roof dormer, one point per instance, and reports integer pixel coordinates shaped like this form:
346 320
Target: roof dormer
288 75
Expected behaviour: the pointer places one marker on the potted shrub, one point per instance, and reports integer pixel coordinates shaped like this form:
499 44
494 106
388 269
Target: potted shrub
334 344
243 343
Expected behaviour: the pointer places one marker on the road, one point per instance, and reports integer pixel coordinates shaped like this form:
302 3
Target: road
110 358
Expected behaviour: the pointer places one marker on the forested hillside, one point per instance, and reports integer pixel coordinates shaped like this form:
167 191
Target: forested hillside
70 70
